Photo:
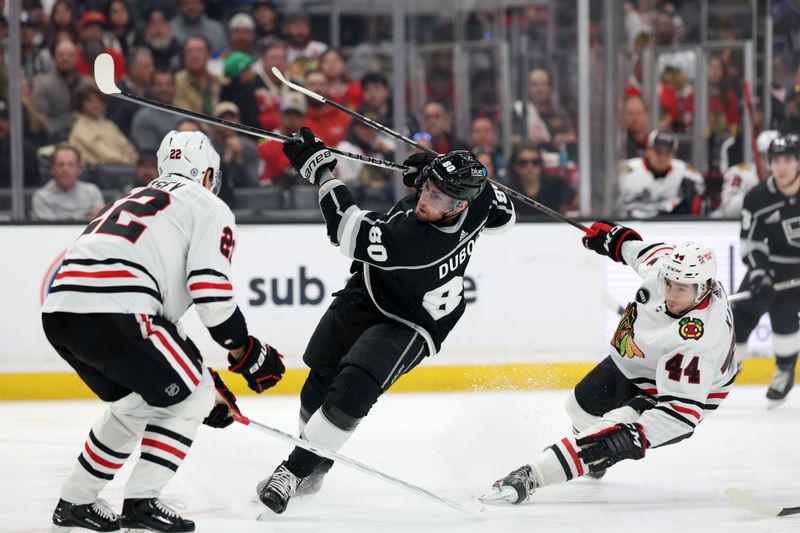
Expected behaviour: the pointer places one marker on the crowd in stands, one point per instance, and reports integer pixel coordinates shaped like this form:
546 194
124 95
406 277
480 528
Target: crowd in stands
82 148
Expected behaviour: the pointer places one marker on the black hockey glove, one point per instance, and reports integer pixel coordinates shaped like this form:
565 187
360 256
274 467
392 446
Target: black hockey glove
606 238
415 163
762 290
221 416
261 365
609 446
309 156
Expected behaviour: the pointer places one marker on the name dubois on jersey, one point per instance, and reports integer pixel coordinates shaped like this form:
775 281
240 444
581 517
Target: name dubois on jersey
457 259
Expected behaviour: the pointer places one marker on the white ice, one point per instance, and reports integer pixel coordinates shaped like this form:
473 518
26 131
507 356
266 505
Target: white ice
452 444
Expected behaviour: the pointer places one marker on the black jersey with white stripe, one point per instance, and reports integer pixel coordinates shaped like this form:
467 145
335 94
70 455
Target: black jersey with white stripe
156 251
414 271
770 234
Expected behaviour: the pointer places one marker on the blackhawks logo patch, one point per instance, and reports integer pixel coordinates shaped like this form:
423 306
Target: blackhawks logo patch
690 328
623 338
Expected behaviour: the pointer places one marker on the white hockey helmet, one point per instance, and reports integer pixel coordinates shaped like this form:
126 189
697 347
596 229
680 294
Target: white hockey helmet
189 154
691 263
764 139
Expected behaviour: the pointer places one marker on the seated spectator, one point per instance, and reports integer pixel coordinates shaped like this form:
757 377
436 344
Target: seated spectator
437 122
637 124
241 38
376 97
122 34
546 124
324 120
149 126
64 197
226 189
266 16
372 186
137 82
303 52
92 45
483 137
340 89
62 24
159 39
146 171
525 175
34 122
98 139
196 88
36 60
239 160
242 87
30 163
487 159
269 89
658 184
723 104
191 21
276 166
792 122
52 96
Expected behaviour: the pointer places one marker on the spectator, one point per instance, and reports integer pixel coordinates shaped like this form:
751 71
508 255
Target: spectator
276 165
371 185
239 161
64 197
792 122
546 123
145 172
63 23
191 21
36 60
122 34
526 176
482 137
98 139
303 52
149 126
241 35
326 121
159 39
92 45
53 95
34 122
266 16
659 184
196 88
188 124
637 125
30 163
376 103
137 82
242 87
778 92
340 89
436 121
487 159
786 20
723 104
269 90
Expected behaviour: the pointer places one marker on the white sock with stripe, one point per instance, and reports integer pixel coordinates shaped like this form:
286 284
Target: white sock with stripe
559 463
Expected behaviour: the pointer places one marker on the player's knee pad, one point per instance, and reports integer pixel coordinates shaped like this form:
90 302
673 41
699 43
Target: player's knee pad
783 344
315 388
581 419
354 391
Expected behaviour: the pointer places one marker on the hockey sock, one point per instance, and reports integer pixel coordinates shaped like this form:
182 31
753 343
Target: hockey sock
786 362
329 428
785 348
559 463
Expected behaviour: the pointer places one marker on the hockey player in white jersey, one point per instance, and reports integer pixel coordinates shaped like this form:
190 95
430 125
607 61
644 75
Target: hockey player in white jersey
671 365
658 184
740 178
113 314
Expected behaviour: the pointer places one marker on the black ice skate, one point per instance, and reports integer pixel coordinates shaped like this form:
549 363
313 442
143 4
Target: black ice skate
598 474
152 514
277 490
515 488
782 383
96 516
313 483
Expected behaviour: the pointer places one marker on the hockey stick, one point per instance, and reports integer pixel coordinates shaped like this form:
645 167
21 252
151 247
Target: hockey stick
104 78
400 137
742 499
782 286
748 100
475 508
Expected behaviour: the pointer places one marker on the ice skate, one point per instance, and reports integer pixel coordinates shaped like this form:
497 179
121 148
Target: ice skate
151 514
276 491
96 516
515 488
313 483
782 383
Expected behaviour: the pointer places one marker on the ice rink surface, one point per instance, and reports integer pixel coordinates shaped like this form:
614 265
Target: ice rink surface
454 444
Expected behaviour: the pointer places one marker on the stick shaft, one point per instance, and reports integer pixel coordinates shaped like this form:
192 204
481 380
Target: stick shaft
782 286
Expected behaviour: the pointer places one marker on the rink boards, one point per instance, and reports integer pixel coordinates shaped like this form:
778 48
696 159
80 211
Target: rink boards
540 311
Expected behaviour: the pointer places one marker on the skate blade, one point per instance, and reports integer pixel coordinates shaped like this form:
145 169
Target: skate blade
60 529
506 494
772 404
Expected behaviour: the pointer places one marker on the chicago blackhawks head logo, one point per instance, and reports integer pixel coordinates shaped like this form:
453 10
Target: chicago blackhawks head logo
690 328
623 338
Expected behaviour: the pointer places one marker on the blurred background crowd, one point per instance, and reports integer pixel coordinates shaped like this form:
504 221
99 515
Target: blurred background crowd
679 92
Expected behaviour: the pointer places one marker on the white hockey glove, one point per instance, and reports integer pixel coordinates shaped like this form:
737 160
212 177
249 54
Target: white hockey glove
310 157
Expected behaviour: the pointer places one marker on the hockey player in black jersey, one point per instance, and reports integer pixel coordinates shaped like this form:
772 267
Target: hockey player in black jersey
404 297
770 247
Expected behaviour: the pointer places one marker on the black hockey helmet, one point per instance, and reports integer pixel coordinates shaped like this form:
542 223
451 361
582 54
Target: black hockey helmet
788 145
458 174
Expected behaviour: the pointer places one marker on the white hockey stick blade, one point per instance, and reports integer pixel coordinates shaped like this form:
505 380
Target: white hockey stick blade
506 494
299 88
104 74
742 499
